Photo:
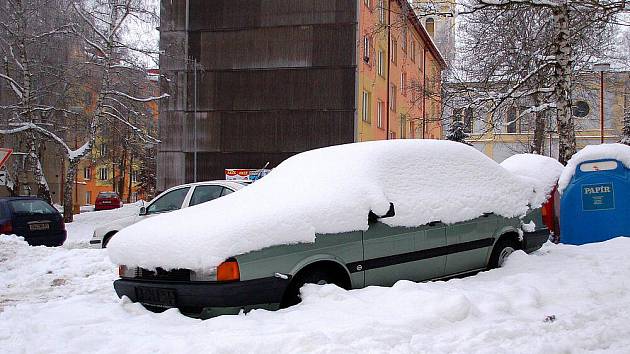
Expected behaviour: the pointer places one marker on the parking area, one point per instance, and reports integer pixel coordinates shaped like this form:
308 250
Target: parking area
559 299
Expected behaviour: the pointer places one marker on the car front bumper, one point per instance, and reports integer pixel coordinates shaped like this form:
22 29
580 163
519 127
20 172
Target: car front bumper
534 240
50 240
206 299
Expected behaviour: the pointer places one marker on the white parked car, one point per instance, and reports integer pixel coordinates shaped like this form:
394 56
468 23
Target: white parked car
175 198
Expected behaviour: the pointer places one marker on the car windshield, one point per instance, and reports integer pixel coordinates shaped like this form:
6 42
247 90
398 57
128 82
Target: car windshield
107 195
31 206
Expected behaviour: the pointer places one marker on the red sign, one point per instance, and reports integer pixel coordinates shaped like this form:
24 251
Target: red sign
4 155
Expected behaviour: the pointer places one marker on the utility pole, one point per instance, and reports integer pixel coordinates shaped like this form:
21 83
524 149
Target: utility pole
601 68
195 123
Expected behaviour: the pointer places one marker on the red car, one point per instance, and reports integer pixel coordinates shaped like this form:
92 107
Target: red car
107 201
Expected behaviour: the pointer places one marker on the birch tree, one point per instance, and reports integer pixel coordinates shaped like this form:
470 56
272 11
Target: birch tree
570 22
110 62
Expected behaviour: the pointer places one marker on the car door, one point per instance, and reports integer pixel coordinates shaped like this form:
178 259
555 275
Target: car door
169 201
469 244
394 253
205 193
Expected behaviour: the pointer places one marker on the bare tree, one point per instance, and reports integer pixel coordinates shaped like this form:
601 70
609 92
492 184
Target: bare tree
567 25
112 65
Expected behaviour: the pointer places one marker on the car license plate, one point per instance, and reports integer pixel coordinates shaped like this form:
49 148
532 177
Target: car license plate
39 227
106 202
156 296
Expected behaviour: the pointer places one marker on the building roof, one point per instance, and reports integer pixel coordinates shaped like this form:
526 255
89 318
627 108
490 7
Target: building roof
411 15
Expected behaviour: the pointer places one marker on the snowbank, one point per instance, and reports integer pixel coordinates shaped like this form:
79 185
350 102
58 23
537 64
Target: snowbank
40 274
543 170
329 190
80 231
619 152
561 299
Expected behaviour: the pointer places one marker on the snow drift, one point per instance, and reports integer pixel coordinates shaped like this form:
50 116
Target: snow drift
619 152
329 190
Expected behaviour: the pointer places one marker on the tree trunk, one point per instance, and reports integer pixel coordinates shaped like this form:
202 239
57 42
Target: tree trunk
130 177
538 145
68 185
625 135
562 76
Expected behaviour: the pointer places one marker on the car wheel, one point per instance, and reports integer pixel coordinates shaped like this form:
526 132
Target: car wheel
501 251
316 276
107 238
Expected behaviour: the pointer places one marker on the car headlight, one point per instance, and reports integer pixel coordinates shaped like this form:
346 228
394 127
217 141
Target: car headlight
126 272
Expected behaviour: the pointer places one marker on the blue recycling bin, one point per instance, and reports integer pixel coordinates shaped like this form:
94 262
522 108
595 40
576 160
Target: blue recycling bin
595 206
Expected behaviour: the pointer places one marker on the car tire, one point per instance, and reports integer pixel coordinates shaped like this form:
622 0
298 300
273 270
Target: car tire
107 238
501 251
316 276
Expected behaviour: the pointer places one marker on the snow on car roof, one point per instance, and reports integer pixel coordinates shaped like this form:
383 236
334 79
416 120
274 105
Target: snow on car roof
329 190
543 171
619 152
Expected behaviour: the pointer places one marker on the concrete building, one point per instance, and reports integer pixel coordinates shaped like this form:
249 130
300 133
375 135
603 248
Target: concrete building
269 79
501 134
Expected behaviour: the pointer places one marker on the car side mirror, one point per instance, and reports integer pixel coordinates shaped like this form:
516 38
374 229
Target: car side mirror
143 211
374 218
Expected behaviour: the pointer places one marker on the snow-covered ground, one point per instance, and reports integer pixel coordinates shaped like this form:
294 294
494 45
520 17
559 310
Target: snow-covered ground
561 299
81 230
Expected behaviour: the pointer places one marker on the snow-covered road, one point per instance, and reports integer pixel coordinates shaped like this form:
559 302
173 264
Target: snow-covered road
62 300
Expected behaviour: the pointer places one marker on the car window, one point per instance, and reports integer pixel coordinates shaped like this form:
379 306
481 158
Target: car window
204 194
107 195
31 206
170 201
226 191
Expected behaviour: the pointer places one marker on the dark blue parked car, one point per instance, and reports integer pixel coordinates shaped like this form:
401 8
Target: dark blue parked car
32 218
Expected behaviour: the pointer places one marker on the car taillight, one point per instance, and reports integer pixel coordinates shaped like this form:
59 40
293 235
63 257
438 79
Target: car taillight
122 270
6 228
228 271
548 210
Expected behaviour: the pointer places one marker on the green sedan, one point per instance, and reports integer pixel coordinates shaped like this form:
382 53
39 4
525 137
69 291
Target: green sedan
271 278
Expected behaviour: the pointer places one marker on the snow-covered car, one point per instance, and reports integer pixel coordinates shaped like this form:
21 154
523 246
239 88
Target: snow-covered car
175 198
354 215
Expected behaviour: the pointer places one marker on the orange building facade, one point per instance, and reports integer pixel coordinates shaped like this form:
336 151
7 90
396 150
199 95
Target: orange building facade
399 74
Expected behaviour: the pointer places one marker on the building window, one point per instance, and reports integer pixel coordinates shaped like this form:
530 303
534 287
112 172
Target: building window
413 50
392 97
381 11
510 120
393 50
581 109
430 26
468 120
88 197
403 83
103 150
134 176
379 113
367 3
403 45
366 49
365 114
403 127
380 62
87 173
457 114
103 173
